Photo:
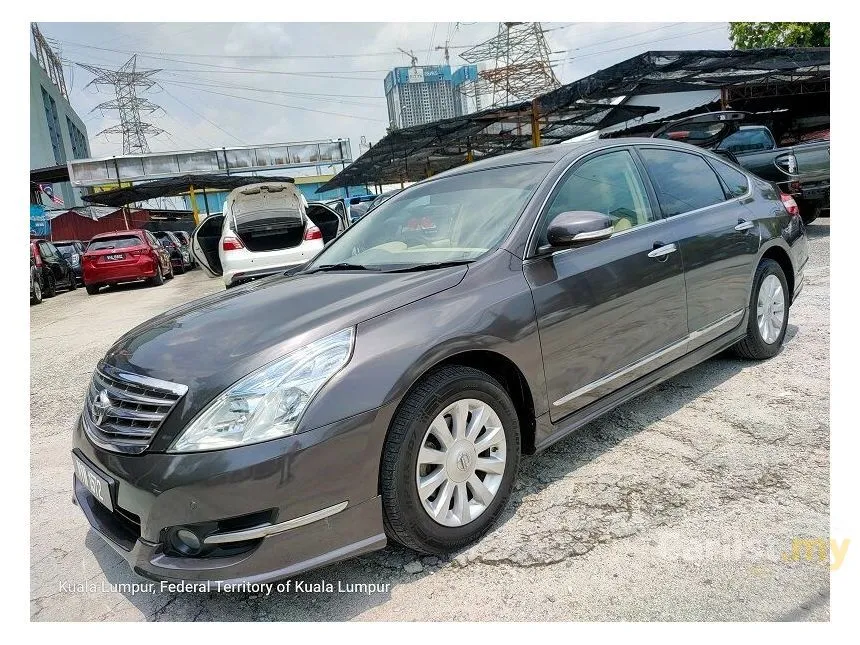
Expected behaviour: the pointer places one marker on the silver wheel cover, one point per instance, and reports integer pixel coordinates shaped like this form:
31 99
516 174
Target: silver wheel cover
770 310
461 462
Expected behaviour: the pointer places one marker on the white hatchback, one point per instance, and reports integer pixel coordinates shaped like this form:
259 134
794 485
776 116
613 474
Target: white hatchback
264 228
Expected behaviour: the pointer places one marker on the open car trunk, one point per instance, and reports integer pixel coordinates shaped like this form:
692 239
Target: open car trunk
268 217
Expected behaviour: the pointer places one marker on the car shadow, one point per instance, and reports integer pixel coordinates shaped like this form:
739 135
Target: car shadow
388 568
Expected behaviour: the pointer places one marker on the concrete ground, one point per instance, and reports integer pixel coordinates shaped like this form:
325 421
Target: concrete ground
678 505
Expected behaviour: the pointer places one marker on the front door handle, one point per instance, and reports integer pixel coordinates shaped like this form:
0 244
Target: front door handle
744 225
661 250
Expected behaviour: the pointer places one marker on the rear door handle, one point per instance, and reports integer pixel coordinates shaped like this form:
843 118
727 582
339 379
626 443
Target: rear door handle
661 250
744 225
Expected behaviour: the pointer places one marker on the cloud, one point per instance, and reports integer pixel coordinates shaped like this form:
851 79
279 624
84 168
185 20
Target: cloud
351 96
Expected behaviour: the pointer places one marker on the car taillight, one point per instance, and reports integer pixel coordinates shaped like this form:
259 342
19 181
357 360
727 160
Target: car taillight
313 233
230 243
37 258
790 205
137 252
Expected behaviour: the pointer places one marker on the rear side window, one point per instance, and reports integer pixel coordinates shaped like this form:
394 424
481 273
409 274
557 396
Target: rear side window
747 141
735 180
683 181
117 242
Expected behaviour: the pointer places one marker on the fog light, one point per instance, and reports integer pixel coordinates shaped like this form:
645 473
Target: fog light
186 542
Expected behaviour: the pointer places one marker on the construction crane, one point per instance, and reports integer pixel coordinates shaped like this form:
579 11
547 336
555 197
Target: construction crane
412 56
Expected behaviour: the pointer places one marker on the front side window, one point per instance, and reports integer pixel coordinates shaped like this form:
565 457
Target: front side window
684 181
451 219
608 184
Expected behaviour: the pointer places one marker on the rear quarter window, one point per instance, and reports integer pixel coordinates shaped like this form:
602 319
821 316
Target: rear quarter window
735 180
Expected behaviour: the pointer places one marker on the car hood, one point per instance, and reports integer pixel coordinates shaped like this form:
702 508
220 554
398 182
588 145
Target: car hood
210 343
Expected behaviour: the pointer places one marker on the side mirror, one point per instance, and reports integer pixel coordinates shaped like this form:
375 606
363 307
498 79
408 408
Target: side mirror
575 228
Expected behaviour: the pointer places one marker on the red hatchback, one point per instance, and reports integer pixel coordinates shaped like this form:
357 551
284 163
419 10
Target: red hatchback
124 256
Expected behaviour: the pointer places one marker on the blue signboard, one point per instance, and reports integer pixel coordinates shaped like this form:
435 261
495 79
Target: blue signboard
40 225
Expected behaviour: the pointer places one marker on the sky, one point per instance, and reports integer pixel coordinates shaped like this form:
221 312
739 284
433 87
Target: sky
224 84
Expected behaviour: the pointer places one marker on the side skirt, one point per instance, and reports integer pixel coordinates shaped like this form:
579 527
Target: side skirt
547 433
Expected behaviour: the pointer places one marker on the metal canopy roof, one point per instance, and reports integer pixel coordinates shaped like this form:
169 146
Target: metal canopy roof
574 109
176 186
410 154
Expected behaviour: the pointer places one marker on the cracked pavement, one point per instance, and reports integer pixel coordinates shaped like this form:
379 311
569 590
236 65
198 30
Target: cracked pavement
679 505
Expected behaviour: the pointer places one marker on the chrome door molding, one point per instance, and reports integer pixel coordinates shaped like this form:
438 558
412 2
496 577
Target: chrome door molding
744 226
726 321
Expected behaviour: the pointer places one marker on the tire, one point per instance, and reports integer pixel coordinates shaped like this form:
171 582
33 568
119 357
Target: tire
72 283
92 289
754 345
158 279
50 289
180 269
36 297
405 517
170 275
809 211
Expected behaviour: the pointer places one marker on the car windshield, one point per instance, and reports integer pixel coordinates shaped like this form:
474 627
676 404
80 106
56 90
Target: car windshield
118 242
452 219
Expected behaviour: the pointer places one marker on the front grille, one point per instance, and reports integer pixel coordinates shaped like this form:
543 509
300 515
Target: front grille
123 411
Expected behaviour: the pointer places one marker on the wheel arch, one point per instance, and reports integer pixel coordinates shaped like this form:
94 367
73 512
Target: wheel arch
779 255
506 372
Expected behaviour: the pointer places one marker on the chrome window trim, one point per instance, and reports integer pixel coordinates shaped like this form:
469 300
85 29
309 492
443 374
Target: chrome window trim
585 389
705 154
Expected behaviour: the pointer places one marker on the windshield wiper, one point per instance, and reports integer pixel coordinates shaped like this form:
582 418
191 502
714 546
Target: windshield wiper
431 265
340 266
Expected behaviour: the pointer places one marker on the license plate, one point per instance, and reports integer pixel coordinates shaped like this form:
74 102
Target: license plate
93 482
114 256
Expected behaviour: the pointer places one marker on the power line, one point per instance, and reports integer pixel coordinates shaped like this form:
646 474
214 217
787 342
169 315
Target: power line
293 107
644 42
300 95
234 56
176 98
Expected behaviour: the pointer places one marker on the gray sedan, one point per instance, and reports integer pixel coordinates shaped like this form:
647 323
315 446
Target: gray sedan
387 389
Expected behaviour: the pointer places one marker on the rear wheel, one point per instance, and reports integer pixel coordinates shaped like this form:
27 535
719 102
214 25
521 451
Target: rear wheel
36 296
768 313
92 289
50 287
809 211
158 279
72 282
449 461
180 269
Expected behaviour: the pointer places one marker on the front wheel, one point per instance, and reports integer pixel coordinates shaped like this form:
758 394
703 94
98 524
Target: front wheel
72 283
449 460
768 313
92 289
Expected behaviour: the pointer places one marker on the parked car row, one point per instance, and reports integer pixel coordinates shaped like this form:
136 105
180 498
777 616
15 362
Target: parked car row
107 259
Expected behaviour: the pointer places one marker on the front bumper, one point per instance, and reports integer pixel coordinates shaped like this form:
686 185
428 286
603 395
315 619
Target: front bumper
293 477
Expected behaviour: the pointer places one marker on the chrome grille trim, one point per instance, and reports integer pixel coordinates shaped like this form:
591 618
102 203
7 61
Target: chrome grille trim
137 407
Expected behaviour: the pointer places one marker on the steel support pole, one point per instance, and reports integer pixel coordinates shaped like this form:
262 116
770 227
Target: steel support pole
194 211
535 124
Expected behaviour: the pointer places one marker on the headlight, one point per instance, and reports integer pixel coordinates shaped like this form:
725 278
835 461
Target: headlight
267 404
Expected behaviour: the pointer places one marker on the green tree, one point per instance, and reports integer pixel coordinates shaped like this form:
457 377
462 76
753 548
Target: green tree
752 35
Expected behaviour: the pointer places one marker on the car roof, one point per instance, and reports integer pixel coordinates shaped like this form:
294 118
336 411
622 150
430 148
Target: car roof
561 152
